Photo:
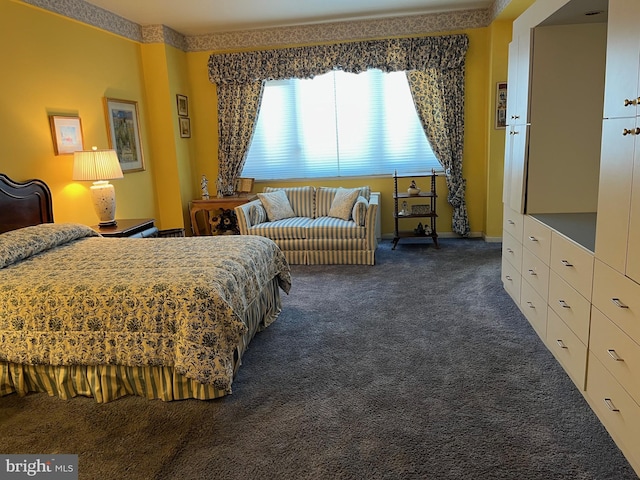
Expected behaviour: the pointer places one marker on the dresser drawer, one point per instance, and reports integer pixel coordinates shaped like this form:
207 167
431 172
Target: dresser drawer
570 306
511 280
534 307
536 238
618 298
512 223
617 352
615 408
512 250
567 348
536 272
573 263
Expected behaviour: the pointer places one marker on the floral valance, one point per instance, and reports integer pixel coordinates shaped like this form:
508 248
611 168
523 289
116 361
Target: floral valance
419 53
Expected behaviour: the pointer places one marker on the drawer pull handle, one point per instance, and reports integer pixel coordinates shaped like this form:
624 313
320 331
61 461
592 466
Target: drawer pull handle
511 222
564 304
628 102
508 277
618 303
613 354
531 305
561 343
532 272
566 263
610 405
509 250
532 238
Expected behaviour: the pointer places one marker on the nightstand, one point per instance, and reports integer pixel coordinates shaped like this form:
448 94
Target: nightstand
132 228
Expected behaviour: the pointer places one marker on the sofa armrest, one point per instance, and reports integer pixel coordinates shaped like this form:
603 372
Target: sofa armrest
370 223
243 217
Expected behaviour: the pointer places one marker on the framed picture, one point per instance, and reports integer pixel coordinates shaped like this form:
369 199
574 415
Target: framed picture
185 127
123 127
501 105
66 133
183 105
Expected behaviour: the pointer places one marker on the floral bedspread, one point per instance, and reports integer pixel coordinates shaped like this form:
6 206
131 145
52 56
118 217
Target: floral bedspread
69 297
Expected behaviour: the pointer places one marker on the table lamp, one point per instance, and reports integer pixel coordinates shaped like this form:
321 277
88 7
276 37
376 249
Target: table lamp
99 166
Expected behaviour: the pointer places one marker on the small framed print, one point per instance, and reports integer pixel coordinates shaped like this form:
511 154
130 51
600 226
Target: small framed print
123 126
67 134
183 105
185 127
244 184
501 105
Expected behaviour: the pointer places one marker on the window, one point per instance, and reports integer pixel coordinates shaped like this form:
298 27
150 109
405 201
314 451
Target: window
336 125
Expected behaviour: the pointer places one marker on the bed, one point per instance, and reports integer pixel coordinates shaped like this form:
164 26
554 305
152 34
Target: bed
166 318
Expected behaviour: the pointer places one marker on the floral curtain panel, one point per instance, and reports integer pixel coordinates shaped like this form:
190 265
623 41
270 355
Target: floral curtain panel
440 93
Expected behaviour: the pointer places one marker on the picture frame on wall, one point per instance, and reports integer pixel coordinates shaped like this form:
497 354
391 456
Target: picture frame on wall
501 105
183 105
185 127
66 132
123 127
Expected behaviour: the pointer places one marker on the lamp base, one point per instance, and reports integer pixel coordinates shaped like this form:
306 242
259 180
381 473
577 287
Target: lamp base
104 202
107 224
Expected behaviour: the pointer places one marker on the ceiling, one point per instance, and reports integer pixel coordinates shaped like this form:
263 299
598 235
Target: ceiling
199 17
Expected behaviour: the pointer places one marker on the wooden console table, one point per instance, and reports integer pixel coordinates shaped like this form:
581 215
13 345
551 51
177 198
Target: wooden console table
209 210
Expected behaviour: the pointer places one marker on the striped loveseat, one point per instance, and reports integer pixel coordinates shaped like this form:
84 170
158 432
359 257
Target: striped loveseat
310 235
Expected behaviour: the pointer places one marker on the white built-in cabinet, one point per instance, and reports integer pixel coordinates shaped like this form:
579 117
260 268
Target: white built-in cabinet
517 121
571 229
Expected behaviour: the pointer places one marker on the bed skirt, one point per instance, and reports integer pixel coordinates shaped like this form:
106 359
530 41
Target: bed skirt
108 382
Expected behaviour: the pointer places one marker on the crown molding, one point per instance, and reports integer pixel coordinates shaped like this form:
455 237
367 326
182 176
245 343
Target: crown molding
274 37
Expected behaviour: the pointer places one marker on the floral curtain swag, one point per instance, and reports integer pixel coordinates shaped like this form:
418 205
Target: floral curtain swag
435 71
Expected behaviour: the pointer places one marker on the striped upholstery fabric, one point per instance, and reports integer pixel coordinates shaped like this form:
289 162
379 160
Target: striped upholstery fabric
320 239
331 227
302 199
287 228
359 213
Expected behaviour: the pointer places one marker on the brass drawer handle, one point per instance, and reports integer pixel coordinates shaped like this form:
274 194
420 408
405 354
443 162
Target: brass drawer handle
566 263
508 277
532 238
509 250
532 272
613 354
628 102
564 304
618 303
610 405
561 343
531 305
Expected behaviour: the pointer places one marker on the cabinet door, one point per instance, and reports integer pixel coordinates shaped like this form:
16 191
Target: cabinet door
633 245
515 165
518 79
623 57
614 193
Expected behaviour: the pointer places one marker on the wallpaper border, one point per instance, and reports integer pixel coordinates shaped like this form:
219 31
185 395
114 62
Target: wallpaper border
274 37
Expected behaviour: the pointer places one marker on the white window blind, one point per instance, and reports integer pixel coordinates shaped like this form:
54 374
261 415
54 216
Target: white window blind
337 125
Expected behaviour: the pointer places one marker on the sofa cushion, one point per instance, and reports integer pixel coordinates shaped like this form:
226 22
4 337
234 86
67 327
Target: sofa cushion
334 228
257 214
302 199
343 202
277 205
325 195
288 228
359 212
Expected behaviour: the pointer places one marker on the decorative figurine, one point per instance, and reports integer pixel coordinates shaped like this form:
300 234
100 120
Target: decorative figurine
420 229
413 189
204 187
405 208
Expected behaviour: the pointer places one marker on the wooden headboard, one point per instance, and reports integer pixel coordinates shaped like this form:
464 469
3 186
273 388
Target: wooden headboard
24 204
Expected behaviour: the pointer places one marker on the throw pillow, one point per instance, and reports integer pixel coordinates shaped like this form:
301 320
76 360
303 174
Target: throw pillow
257 214
359 212
276 205
343 203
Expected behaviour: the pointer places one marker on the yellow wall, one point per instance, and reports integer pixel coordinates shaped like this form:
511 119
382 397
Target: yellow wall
60 66
52 65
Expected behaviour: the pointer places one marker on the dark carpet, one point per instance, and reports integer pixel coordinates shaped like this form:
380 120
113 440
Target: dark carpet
420 367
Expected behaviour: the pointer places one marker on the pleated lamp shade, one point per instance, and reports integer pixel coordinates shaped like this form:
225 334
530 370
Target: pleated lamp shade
99 166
